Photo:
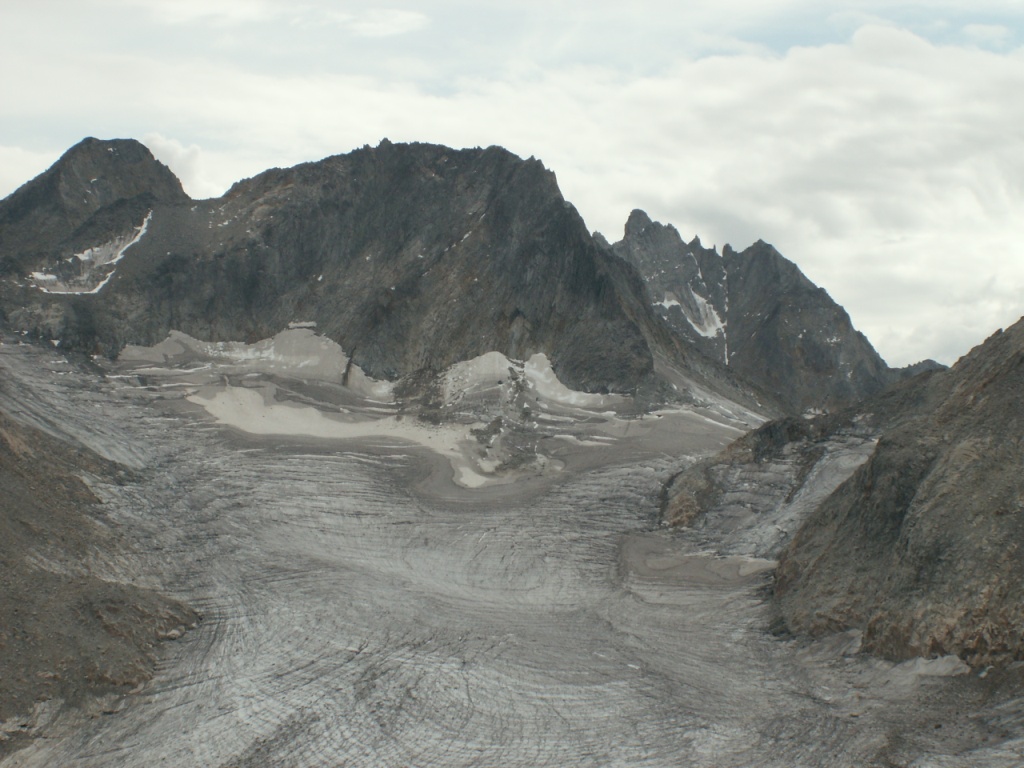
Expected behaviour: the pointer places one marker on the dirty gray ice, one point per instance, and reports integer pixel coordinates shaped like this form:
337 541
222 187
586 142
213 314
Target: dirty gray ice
361 610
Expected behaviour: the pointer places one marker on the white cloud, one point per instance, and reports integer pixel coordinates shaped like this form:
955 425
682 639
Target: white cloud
993 36
372 22
386 22
221 13
18 165
187 162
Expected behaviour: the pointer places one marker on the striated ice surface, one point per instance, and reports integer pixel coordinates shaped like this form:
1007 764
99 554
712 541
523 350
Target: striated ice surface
360 609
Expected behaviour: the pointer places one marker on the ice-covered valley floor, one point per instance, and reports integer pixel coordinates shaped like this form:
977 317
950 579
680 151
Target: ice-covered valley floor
363 607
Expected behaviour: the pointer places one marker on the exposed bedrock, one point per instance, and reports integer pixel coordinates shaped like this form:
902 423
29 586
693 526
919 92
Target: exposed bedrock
920 547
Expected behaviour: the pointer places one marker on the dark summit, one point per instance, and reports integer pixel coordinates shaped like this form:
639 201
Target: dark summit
412 257
756 311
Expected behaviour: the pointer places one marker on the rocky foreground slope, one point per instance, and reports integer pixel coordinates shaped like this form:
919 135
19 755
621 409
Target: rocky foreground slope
71 630
919 547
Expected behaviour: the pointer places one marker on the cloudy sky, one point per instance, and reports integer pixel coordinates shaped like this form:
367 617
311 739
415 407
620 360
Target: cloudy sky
879 144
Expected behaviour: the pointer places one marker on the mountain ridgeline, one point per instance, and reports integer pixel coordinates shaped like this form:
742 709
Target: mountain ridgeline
756 312
413 257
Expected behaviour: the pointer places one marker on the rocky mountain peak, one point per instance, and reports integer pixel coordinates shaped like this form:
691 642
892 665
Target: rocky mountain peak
96 173
762 263
97 189
111 170
410 256
758 313
637 222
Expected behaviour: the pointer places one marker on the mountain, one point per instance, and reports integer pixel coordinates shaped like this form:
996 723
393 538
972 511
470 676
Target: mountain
756 312
411 257
361 547
96 189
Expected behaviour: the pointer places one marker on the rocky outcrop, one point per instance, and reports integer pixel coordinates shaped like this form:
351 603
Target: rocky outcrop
758 313
96 190
919 548
901 517
751 498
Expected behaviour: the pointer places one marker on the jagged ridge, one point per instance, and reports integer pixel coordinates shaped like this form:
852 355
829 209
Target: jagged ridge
758 313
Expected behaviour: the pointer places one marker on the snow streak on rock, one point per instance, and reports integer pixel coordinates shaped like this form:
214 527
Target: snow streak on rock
95 266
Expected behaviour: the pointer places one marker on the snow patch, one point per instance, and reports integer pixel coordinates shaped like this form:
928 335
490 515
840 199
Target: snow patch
493 369
943 666
98 265
256 411
472 376
259 412
707 323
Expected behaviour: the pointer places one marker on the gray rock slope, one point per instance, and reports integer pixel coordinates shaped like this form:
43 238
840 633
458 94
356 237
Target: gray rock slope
67 629
757 312
920 547
901 517
98 188
412 257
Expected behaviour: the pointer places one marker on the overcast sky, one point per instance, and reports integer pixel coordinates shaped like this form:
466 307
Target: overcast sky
878 144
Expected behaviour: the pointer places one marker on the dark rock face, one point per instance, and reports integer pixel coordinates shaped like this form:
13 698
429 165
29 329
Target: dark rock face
694 491
686 282
788 334
757 312
97 188
919 548
412 257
